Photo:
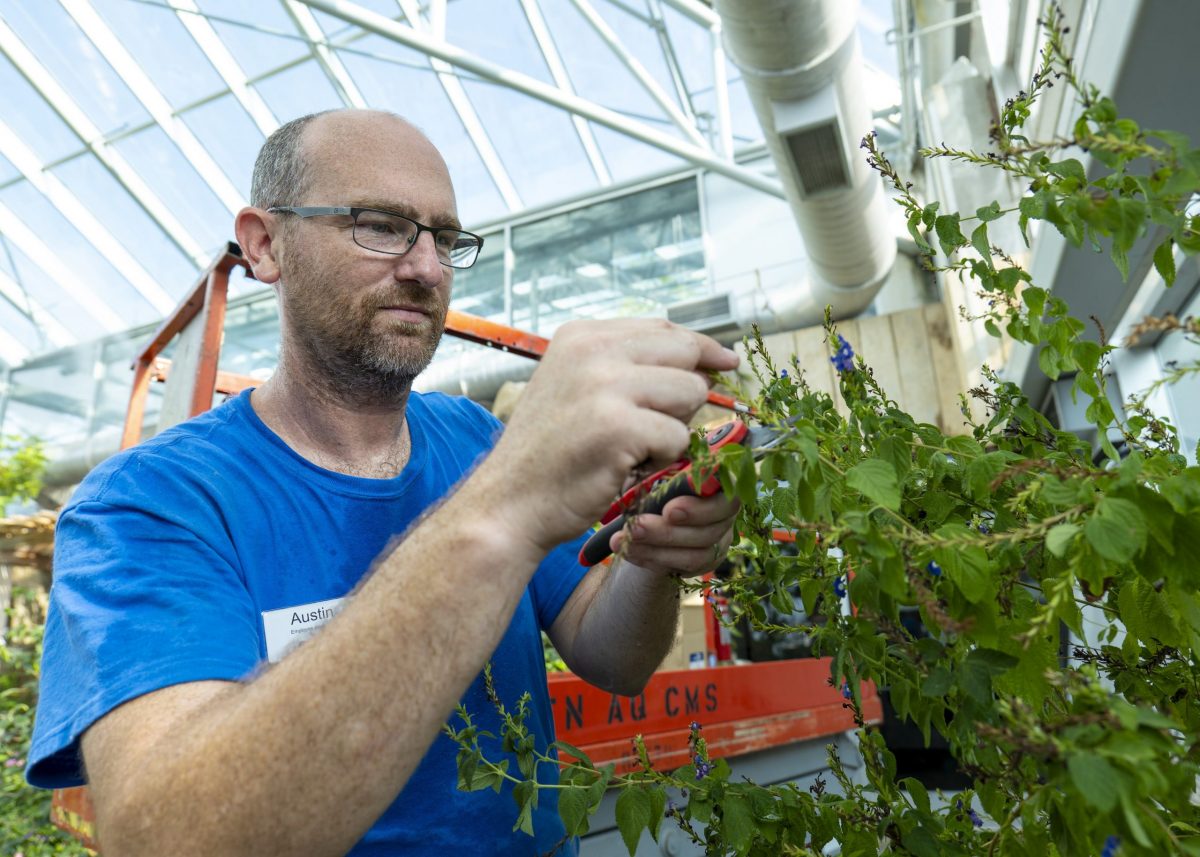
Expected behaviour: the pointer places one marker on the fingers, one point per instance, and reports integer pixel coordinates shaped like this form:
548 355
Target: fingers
692 536
658 342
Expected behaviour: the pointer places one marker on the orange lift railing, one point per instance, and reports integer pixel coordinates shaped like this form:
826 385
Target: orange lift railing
743 707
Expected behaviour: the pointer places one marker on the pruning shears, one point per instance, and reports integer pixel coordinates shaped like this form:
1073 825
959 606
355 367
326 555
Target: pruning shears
679 479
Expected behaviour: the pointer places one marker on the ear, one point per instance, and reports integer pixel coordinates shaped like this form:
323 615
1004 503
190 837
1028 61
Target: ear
255 230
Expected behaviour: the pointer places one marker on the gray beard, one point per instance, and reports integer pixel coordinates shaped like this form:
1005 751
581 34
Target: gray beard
371 375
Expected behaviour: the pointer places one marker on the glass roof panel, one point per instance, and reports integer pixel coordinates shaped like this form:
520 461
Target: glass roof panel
545 165
875 19
391 86
18 328
497 30
7 171
163 48
125 219
260 35
48 31
230 136
595 71
32 119
693 48
628 158
299 90
70 246
179 186
53 299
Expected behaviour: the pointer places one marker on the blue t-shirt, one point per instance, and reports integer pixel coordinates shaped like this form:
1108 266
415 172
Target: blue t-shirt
175 560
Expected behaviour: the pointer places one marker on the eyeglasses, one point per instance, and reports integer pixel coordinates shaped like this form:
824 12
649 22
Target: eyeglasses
387 232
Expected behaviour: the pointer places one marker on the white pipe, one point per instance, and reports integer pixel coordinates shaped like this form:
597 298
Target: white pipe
791 51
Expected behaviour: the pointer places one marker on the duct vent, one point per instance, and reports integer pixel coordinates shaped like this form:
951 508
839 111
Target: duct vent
817 154
705 314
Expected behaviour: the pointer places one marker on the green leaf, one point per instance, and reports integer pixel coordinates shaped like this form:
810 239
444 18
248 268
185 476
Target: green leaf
1095 778
989 212
737 821
633 815
920 842
937 683
1060 537
583 757
573 808
658 805
1068 169
1086 355
979 240
1117 530
525 795
1164 261
1048 362
919 793
983 470
876 480
949 234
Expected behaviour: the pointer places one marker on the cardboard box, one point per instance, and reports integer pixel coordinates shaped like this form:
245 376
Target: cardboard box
691 635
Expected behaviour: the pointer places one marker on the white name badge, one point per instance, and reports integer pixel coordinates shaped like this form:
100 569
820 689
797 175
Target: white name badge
287 627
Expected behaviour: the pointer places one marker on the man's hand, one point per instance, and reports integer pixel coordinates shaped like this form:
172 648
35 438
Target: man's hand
608 397
690 537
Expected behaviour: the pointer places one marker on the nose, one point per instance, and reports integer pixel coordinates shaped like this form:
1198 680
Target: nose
421 263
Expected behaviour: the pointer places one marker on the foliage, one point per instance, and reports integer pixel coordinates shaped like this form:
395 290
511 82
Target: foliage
25 829
22 462
999 537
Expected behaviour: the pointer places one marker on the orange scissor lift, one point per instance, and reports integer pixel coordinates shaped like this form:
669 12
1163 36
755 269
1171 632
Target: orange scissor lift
744 707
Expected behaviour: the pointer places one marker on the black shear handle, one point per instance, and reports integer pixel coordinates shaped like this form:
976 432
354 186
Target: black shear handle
597 549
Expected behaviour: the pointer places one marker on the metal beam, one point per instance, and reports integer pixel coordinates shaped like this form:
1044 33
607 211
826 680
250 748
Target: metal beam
23 158
668 52
329 62
697 11
69 112
47 259
558 71
154 101
639 71
462 105
456 56
222 60
724 129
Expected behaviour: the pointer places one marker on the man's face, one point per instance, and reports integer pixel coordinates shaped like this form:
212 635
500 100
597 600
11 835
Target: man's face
367 319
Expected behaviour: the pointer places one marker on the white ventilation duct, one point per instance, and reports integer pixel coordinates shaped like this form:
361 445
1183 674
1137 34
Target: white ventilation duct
802 65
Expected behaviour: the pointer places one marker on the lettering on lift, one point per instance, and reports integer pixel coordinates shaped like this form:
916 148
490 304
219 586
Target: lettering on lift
691 699
637 708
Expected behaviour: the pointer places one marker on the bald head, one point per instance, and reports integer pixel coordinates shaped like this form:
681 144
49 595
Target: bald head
285 166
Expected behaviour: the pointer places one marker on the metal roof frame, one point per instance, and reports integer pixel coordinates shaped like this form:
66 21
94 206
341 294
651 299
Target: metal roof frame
70 113
368 20
153 100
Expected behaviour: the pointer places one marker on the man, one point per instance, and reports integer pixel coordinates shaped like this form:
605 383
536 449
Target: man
185 564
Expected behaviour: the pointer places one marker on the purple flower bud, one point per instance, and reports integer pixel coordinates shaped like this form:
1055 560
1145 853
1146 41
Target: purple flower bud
975 819
783 373
839 587
934 569
695 726
846 692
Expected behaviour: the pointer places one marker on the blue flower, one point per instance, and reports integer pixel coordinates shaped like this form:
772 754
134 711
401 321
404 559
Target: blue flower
843 361
695 726
839 587
783 373
934 569
975 819
846 692
1111 844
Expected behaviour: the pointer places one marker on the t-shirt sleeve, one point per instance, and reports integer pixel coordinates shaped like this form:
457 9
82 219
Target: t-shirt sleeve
145 596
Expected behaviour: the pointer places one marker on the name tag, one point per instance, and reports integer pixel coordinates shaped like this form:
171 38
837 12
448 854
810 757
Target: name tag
288 627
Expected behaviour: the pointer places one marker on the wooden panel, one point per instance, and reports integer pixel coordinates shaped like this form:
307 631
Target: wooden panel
877 347
918 379
813 356
946 368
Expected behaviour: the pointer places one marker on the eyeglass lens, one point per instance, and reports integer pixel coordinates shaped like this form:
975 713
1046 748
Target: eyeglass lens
391 233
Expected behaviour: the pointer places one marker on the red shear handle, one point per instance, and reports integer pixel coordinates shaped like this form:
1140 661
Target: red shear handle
657 491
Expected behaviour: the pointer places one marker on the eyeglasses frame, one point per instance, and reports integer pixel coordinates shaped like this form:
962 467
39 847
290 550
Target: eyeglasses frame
306 211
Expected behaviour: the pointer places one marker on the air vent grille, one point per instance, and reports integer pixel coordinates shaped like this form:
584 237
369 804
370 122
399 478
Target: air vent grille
817 153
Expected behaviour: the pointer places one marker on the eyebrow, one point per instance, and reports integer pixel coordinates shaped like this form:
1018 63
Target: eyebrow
445 219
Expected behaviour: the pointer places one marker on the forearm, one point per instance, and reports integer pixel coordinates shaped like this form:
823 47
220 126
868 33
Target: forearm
304 758
627 629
